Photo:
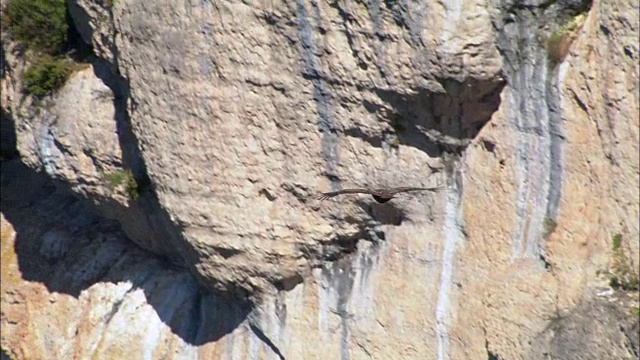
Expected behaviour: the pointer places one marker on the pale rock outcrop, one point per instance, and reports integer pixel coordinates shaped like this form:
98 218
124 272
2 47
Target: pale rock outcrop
81 137
240 110
74 287
243 211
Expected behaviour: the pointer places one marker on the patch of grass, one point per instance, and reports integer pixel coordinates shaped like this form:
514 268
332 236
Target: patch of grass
616 242
621 274
43 27
549 225
40 25
123 178
635 311
45 75
560 40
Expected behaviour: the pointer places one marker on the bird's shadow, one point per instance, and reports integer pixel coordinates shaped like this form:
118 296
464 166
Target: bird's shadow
65 245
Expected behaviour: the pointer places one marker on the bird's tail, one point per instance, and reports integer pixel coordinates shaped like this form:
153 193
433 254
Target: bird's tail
321 196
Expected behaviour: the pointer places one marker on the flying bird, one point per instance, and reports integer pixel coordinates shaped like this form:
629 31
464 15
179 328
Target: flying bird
381 195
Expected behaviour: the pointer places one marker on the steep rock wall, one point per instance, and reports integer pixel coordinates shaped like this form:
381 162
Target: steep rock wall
240 111
327 90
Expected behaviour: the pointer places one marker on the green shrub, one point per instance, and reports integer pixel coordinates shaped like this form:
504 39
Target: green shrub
622 275
616 242
560 40
549 225
40 25
125 178
45 75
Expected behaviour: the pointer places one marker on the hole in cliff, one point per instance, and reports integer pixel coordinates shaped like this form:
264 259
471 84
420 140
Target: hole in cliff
226 252
4 65
488 145
332 177
436 122
76 47
330 250
288 283
373 140
340 246
574 7
385 214
8 149
269 19
267 194
547 265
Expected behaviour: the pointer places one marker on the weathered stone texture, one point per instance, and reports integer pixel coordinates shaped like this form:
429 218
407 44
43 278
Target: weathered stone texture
230 114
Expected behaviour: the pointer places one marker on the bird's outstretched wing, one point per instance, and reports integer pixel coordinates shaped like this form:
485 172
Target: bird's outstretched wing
328 195
398 190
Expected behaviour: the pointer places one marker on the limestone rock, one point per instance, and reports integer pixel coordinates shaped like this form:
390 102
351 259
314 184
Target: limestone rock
202 111
238 111
600 329
74 287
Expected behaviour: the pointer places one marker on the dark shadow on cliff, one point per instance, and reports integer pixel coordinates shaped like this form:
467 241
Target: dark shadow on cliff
3 355
595 328
385 214
8 143
437 122
64 244
8 149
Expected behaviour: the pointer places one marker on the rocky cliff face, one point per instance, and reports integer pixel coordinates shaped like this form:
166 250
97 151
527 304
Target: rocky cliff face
202 129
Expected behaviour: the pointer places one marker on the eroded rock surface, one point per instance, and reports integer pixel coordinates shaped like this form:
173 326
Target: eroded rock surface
604 328
230 114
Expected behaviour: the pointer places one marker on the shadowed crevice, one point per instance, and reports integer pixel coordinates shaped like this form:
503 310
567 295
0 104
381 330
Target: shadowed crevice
67 246
8 143
265 339
4 355
339 246
440 122
385 214
288 283
321 95
145 221
373 140
8 140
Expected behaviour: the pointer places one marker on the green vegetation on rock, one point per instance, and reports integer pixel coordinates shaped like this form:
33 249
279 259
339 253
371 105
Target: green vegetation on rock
45 75
123 178
40 25
622 275
560 40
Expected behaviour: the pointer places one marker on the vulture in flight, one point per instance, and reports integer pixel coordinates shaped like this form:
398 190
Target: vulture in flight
381 195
